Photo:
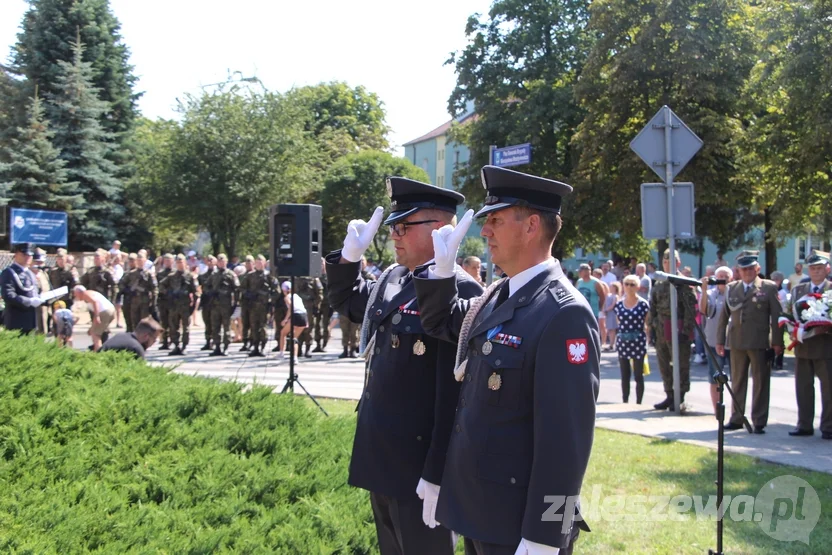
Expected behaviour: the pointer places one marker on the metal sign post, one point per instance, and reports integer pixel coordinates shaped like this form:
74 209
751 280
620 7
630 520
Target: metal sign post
655 144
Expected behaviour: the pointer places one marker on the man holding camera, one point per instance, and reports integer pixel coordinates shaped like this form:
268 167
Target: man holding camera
407 407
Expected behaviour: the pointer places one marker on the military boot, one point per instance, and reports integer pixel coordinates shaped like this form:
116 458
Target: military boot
667 404
176 351
164 346
244 348
207 346
216 352
256 352
307 354
318 348
345 354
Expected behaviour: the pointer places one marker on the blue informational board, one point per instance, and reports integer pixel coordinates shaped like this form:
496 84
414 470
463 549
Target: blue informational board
516 155
42 227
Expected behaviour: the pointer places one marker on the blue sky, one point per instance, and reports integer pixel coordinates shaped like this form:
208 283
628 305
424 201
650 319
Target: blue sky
395 49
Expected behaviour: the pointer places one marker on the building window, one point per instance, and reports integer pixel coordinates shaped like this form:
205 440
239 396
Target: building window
440 181
440 156
456 158
425 164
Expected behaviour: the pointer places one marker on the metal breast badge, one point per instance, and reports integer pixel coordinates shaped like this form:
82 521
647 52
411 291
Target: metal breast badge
419 348
487 347
494 381
394 341
397 318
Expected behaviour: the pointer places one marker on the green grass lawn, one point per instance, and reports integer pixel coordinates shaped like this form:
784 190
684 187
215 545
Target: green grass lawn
101 453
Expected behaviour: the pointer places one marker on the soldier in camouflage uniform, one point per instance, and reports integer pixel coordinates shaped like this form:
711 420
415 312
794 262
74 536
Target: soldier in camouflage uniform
144 286
180 288
258 290
245 306
99 278
660 321
63 275
320 320
163 301
207 299
310 291
226 287
125 291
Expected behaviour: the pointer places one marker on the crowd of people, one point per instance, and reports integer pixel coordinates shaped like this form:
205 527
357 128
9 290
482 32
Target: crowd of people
238 301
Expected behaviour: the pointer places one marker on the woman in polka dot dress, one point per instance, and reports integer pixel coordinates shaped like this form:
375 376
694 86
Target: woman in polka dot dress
632 339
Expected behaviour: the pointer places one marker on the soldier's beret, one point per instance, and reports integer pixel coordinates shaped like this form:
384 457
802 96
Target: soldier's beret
746 259
817 257
506 188
222 256
249 258
408 196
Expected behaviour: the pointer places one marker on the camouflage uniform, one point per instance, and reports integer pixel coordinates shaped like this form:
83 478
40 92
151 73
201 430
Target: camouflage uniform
99 278
245 307
660 321
206 304
144 288
310 291
226 286
321 319
164 303
179 287
63 277
258 290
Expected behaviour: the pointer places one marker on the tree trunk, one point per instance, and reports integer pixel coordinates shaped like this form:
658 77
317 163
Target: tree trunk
771 246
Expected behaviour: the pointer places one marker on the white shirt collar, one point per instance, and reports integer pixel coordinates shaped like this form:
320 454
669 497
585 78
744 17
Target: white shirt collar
524 277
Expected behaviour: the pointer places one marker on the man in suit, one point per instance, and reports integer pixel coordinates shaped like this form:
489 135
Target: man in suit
19 289
407 408
528 359
753 308
813 357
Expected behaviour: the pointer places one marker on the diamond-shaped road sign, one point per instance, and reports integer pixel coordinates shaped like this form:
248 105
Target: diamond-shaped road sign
649 143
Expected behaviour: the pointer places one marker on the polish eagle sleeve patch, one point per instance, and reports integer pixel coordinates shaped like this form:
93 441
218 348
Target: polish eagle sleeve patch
576 351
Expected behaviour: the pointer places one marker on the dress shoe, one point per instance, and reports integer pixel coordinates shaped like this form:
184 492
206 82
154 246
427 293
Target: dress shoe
759 430
801 432
732 426
826 435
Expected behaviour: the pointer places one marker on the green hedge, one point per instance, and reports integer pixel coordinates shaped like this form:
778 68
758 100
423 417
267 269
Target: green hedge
103 453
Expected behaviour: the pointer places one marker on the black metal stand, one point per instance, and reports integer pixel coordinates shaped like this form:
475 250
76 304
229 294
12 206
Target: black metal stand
722 384
293 377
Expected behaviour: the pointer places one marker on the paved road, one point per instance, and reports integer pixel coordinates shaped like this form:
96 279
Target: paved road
325 375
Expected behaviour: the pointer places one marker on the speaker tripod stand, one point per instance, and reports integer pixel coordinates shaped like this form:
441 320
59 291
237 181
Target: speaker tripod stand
293 377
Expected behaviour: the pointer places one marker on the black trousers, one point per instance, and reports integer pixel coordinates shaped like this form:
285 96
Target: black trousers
401 530
476 547
638 374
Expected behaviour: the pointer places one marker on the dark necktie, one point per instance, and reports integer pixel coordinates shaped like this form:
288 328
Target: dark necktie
817 289
503 295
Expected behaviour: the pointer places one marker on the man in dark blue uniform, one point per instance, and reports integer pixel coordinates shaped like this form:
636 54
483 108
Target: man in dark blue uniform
407 408
20 291
528 360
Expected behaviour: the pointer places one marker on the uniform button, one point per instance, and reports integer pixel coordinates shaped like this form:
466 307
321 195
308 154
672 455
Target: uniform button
407 328
381 329
378 312
513 481
497 362
458 428
378 350
367 395
418 438
462 402
522 299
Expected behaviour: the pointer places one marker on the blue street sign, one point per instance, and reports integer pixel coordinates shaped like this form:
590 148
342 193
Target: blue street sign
516 155
42 227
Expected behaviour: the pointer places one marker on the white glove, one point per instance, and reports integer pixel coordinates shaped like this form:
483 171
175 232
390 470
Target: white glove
531 548
429 493
446 242
35 302
359 236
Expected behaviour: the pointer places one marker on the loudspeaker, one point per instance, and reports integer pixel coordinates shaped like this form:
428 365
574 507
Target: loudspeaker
295 239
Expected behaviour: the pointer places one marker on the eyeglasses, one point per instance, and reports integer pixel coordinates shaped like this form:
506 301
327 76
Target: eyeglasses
400 230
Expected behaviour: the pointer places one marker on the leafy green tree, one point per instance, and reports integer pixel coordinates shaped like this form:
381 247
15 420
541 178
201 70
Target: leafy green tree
693 55
342 119
35 176
472 246
520 69
47 33
12 108
85 147
236 153
354 186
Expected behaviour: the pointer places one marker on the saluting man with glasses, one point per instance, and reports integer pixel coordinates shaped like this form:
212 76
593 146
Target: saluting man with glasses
407 407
